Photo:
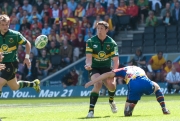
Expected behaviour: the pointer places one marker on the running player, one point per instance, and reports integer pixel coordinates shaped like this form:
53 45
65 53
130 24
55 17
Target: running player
100 51
138 84
9 41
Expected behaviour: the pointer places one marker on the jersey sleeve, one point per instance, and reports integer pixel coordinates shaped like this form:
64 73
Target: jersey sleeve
114 50
21 39
89 48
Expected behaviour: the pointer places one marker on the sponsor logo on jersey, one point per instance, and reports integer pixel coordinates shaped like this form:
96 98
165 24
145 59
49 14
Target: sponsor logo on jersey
108 47
4 47
101 54
95 46
11 40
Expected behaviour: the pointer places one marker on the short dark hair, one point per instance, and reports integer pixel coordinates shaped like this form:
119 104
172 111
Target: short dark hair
104 23
169 61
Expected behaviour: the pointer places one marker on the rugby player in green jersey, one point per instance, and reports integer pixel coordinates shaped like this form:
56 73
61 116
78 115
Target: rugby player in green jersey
9 41
101 50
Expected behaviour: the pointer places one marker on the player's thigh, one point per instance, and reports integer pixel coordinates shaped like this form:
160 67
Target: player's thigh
110 83
2 82
13 84
98 85
156 86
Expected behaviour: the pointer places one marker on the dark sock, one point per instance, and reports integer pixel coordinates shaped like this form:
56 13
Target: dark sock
111 96
23 84
160 98
93 99
0 93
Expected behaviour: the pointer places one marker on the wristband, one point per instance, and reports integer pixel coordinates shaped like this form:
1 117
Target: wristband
27 56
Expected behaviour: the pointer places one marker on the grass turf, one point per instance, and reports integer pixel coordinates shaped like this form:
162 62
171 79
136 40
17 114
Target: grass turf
75 109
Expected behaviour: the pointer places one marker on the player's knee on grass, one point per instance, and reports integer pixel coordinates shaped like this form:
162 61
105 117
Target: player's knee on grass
129 108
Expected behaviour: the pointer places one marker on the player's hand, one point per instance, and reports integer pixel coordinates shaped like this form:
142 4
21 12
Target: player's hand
88 84
27 62
88 67
2 67
1 56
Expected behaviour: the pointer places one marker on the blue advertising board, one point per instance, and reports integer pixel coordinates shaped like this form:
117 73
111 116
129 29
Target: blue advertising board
55 92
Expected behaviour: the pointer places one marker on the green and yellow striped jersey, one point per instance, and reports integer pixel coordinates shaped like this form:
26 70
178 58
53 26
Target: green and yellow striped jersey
102 51
9 45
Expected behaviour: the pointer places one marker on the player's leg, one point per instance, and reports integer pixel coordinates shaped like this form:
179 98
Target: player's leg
94 93
2 83
160 98
129 107
14 85
110 83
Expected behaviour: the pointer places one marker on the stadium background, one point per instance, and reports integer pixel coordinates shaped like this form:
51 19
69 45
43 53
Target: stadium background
76 27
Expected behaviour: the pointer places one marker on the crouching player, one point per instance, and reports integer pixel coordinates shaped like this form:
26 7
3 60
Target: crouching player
138 84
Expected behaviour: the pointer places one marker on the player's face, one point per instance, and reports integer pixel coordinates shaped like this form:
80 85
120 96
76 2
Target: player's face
4 26
101 30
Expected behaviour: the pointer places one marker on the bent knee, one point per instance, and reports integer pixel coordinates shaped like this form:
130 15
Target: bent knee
14 88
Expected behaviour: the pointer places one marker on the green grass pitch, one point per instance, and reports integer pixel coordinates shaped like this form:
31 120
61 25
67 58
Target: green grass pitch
75 109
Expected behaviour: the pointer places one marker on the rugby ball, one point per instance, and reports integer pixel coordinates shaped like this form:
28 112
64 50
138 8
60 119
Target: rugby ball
41 41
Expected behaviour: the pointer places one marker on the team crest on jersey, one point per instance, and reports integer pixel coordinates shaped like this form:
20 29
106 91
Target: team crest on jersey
108 47
11 40
101 54
4 47
8 70
95 46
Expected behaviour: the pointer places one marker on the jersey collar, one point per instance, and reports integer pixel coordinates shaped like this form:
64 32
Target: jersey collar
5 33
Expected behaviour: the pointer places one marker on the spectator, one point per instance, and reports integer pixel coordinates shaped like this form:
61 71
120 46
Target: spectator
34 50
103 4
39 4
72 5
26 6
176 13
90 11
112 26
156 6
66 52
143 5
53 49
167 20
83 3
66 11
79 47
46 30
53 36
7 9
133 10
20 13
165 10
43 64
99 10
115 2
31 73
21 53
25 15
61 3
173 80
151 20
25 25
88 35
16 5
167 68
35 14
14 24
88 28
156 65
80 11
173 4
56 12
70 79
122 8
95 23
112 6
46 14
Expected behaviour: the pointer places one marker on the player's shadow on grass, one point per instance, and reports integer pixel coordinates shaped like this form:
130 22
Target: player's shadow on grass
94 117
3 117
135 116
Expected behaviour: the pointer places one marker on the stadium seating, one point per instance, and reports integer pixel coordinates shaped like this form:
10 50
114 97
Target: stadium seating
172 29
160 48
148 49
160 29
138 36
160 42
172 48
149 30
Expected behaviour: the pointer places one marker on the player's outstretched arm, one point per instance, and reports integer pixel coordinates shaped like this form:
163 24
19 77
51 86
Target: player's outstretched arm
101 77
28 50
88 62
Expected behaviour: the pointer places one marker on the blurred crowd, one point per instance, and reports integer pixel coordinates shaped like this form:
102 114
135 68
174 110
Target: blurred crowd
69 23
